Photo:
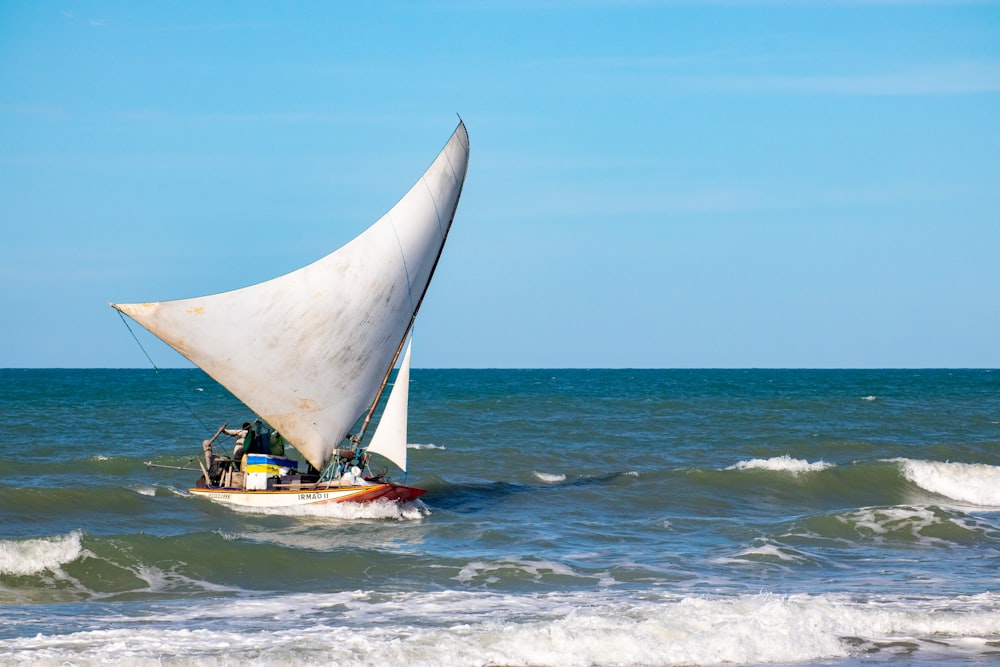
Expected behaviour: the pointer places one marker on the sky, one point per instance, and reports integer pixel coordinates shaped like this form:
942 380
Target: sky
652 184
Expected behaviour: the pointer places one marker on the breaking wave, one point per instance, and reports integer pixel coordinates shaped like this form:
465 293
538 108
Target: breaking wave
973 483
35 555
558 629
783 463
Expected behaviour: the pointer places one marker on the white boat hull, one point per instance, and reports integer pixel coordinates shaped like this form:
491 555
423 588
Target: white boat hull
309 497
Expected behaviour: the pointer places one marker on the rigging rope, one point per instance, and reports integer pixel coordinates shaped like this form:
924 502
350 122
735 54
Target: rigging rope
127 326
156 370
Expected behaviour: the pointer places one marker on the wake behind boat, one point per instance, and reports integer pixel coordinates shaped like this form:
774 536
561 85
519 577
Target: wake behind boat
311 353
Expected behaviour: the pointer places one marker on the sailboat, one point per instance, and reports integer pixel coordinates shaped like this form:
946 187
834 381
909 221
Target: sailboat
311 353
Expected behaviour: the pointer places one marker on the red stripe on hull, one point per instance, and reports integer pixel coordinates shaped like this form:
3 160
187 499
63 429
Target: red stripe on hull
395 492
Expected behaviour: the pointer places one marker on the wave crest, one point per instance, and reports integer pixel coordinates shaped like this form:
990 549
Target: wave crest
557 629
31 556
783 463
973 483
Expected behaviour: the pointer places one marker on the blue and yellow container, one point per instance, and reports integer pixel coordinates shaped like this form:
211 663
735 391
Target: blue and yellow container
271 465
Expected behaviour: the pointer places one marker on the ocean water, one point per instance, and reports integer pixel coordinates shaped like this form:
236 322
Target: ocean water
574 518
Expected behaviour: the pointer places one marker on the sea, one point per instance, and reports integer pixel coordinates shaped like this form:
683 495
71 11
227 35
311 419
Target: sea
573 518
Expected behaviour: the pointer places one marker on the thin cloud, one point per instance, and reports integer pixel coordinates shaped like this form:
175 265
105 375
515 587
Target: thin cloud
562 5
950 79
679 74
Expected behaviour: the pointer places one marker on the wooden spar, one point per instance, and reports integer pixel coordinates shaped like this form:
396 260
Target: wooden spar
206 445
150 464
203 471
385 380
217 434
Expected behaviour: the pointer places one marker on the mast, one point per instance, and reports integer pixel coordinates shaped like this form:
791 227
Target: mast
399 348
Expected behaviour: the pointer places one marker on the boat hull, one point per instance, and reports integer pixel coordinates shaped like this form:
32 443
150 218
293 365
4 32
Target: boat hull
309 497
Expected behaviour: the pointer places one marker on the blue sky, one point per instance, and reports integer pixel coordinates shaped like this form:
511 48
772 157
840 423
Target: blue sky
653 184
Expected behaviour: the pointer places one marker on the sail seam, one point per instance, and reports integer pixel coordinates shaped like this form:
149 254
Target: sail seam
437 211
406 269
454 174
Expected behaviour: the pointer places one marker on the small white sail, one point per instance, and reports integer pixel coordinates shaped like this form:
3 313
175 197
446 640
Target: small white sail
390 434
308 351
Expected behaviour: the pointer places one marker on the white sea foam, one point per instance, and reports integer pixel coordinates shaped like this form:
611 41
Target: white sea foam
899 522
374 510
170 581
145 490
972 483
883 520
34 555
427 446
487 572
783 463
557 629
869 398
765 551
551 478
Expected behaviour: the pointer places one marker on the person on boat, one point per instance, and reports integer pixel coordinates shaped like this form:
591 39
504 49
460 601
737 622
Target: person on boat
241 435
206 446
277 444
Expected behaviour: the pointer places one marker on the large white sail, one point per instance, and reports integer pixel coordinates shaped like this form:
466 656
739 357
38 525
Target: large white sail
390 434
308 351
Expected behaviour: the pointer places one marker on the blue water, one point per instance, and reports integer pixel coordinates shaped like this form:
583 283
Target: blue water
573 517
